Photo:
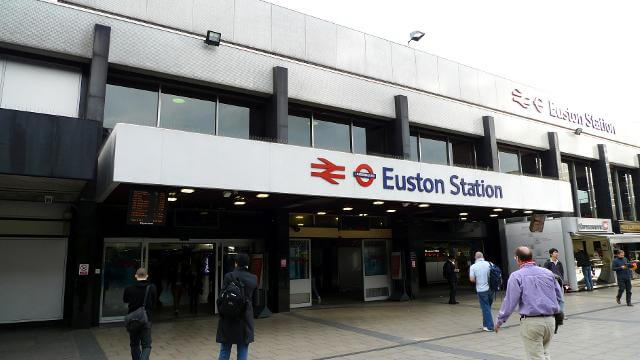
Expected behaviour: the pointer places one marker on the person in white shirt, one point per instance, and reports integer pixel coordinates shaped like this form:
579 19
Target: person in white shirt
479 274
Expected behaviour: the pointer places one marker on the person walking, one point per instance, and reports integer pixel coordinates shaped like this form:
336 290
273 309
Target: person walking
142 293
623 274
555 265
583 261
450 273
238 330
537 294
479 274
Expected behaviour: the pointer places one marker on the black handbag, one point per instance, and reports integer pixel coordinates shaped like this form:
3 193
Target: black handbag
138 319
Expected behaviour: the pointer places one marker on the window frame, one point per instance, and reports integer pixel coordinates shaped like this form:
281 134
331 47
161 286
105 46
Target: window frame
520 152
448 138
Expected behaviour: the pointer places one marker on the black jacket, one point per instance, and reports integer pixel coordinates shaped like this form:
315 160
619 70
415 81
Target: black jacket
582 259
239 330
448 271
557 269
134 296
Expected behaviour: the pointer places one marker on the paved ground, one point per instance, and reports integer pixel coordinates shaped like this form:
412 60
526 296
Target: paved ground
597 328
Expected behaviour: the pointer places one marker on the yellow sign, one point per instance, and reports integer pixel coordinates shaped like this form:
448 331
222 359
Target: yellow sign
630 227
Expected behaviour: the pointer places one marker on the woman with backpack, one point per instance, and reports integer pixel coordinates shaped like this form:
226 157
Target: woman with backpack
235 306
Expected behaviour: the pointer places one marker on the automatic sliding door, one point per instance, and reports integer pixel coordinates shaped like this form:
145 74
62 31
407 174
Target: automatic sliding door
375 269
300 273
121 261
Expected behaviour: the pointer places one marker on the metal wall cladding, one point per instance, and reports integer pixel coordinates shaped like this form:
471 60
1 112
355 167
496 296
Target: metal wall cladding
252 24
469 84
487 89
378 58
214 15
176 14
427 72
403 60
351 50
448 78
288 32
321 40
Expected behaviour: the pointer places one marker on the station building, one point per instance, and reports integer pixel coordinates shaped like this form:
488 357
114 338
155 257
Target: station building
343 163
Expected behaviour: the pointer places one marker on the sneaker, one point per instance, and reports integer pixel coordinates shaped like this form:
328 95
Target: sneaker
618 300
487 329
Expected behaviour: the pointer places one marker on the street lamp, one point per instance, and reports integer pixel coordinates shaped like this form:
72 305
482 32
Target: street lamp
415 36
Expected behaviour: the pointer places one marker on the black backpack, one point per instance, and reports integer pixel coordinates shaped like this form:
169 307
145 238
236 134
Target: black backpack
232 302
495 277
138 319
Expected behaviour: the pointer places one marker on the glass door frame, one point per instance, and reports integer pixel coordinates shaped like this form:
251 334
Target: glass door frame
376 281
300 286
144 262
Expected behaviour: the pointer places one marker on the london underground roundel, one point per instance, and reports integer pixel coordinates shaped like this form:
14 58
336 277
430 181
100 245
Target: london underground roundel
364 175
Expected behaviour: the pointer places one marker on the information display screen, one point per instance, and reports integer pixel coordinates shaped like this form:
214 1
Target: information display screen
147 207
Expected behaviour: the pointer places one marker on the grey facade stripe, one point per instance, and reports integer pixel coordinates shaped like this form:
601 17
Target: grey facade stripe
636 187
98 74
400 143
279 124
615 177
589 318
489 150
87 345
602 182
574 190
552 163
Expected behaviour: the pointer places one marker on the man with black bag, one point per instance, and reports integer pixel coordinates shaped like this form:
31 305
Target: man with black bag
235 306
141 297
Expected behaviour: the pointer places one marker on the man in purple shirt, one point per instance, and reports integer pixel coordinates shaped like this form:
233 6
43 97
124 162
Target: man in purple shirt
538 296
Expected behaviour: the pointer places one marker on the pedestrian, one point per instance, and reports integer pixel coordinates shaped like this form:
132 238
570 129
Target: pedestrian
450 272
623 274
537 294
238 330
479 274
142 293
583 261
555 265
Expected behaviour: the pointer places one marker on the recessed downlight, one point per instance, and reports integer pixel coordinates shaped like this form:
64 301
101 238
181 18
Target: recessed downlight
322 213
172 199
239 202
424 205
391 210
463 218
299 217
300 224
463 214
493 215
497 210
378 202
187 191
262 196
528 211
363 214
347 208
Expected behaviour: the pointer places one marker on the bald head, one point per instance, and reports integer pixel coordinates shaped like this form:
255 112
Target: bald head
479 255
524 254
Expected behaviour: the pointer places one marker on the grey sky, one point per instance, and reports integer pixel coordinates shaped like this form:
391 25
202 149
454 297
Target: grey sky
584 53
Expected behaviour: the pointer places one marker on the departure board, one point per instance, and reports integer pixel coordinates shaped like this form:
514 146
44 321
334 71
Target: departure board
147 207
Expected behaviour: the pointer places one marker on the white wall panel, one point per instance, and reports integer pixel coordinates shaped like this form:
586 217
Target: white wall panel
378 58
322 42
487 89
448 78
403 60
252 25
427 72
215 15
288 32
351 50
32 273
445 114
132 8
469 84
41 89
175 14
2 67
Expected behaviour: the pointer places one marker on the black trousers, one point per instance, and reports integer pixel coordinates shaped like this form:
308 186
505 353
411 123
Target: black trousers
140 344
452 291
624 285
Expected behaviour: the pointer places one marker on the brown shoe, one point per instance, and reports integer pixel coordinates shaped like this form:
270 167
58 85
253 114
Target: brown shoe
618 300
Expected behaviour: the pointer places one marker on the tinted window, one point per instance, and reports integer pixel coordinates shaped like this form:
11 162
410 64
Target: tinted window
331 136
433 151
188 114
129 105
463 153
359 140
509 162
233 121
299 130
531 164
413 141
564 172
626 194
585 190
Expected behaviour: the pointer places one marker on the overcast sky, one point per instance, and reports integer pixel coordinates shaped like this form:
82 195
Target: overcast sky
584 53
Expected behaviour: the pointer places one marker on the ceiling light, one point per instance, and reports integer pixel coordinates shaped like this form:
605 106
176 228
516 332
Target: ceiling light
528 212
464 214
497 210
391 210
347 208
493 215
322 213
262 196
378 202
299 217
172 199
178 101
363 214
187 191
239 202
300 224
213 38
463 218
424 205
226 194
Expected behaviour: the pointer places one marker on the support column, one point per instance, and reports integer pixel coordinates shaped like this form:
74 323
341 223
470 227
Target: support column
603 186
636 187
616 193
277 127
574 190
97 88
488 154
551 160
278 247
400 144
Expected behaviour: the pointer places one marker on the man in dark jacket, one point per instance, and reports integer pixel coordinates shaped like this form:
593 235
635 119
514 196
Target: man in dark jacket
238 330
450 273
583 261
554 264
134 296
623 274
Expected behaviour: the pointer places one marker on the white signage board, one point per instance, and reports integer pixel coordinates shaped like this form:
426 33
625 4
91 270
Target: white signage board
588 225
146 155
518 234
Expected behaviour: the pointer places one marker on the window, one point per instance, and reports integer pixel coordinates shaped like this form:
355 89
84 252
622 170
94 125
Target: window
299 130
233 121
565 174
531 163
130 105
463 153
625 186
584 181
434 151
413 142
359 139
509 162
331 135
187 113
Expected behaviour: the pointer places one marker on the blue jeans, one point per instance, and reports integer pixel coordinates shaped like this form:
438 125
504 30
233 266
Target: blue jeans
486 300
225 351
588 280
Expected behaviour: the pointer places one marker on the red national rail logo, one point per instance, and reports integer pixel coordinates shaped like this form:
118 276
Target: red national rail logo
329 171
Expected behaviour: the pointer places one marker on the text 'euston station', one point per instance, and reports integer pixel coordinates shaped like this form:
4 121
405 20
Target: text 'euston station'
457 185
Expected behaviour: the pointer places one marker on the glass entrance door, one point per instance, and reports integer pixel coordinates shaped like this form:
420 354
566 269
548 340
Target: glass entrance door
375 270
121 261
299 273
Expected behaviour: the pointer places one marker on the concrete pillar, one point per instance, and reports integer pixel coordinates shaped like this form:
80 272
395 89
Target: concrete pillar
488 154
551 160
278 249
400 141
574 190
278 121
97 87
603 186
